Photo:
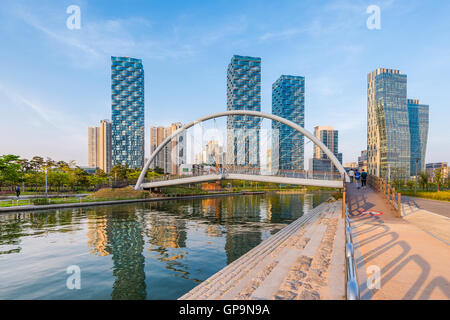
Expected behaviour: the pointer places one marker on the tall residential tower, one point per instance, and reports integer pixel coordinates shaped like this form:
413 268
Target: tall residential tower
288 101
127 86
243 93
99 142
418 130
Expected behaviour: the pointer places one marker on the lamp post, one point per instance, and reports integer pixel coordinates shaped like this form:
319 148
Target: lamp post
46 195
415 180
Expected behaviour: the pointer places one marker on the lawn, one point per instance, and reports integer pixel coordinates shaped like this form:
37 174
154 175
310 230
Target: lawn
434 195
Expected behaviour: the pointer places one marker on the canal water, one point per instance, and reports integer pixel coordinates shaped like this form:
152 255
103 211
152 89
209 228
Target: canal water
153 250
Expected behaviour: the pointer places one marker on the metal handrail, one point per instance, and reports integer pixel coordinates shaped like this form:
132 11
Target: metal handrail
351 275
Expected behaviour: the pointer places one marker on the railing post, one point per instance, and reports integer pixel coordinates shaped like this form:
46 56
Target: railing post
399 204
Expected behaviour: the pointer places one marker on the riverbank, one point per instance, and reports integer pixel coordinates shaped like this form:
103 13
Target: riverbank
303 261
114 202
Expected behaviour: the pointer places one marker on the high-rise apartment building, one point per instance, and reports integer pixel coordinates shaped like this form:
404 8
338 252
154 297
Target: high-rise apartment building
397 127
418 130
330 138
174 153
288 102
99 144
388 138
157 136
127 95
243 93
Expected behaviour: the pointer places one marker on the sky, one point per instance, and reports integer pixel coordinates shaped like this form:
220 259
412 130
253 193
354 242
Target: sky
55 82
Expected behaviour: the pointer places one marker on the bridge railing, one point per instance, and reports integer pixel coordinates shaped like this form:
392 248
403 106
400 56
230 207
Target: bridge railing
388 192
352 284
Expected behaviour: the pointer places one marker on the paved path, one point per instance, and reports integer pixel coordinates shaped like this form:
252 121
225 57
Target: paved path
435 206
303 261
413 263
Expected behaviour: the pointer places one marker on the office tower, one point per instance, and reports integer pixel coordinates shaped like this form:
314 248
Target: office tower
127 95
388 137
288 102
99 144
330 138
431 169
243 93
418 130
362 161
157 136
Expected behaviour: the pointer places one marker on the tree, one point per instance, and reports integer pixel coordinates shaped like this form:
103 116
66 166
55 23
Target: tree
424 179
10 171
437 177
159 170
37 163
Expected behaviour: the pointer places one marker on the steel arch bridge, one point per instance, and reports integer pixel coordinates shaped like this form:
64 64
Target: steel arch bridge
223 175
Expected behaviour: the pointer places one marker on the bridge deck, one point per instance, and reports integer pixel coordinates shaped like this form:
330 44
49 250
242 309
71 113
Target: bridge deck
414 264
247 177
304 260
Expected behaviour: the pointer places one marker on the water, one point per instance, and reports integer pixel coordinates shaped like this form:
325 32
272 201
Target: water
156 250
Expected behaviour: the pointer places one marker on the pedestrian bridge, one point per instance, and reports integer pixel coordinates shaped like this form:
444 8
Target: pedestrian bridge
245 177
229 171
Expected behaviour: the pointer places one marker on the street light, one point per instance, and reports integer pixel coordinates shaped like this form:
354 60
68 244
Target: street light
415 180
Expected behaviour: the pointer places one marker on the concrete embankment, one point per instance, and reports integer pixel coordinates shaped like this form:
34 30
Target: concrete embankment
305 260
113 202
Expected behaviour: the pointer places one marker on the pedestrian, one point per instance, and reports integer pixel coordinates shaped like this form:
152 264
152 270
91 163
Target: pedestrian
363 178
351 174
17 191
357 177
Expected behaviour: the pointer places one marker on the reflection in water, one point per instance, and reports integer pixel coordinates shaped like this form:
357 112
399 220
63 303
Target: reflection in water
184 242
127 244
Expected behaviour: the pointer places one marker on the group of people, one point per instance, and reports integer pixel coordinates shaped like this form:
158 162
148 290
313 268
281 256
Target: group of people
358 176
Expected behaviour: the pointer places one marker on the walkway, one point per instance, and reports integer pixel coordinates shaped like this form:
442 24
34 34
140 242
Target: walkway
413 263
435 206
303 261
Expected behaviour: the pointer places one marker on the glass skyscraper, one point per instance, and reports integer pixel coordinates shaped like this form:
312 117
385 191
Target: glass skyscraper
397 126
243 93
388 138
127 95
418 129
288 101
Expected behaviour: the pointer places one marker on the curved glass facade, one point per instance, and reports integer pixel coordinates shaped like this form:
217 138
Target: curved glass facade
288 101
418 129
127 96
243 93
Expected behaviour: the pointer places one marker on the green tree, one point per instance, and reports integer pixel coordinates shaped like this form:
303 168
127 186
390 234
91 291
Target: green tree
424 179
437 177
10 171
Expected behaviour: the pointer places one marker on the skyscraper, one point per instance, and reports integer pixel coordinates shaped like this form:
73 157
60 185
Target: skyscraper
243 93
127 86
388 137
418 129
288 101
99 143
330 138
157 136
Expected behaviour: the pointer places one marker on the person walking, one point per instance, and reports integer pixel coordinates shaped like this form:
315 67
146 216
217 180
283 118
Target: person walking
17 191
357 177
351 174
363 178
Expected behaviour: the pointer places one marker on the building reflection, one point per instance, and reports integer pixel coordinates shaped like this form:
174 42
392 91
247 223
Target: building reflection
126 244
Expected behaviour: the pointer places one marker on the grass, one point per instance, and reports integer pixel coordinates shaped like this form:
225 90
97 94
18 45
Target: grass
434 195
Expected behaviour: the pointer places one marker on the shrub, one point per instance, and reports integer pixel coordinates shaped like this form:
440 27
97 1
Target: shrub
41 201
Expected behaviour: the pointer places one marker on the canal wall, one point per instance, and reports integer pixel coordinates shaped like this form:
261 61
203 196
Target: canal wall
303 261
113 202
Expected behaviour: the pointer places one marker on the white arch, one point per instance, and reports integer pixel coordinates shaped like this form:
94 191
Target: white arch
289 123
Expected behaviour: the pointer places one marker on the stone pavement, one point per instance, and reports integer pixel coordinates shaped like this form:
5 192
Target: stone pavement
413 263
305 260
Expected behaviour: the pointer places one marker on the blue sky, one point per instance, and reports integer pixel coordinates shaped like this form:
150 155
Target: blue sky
55 82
